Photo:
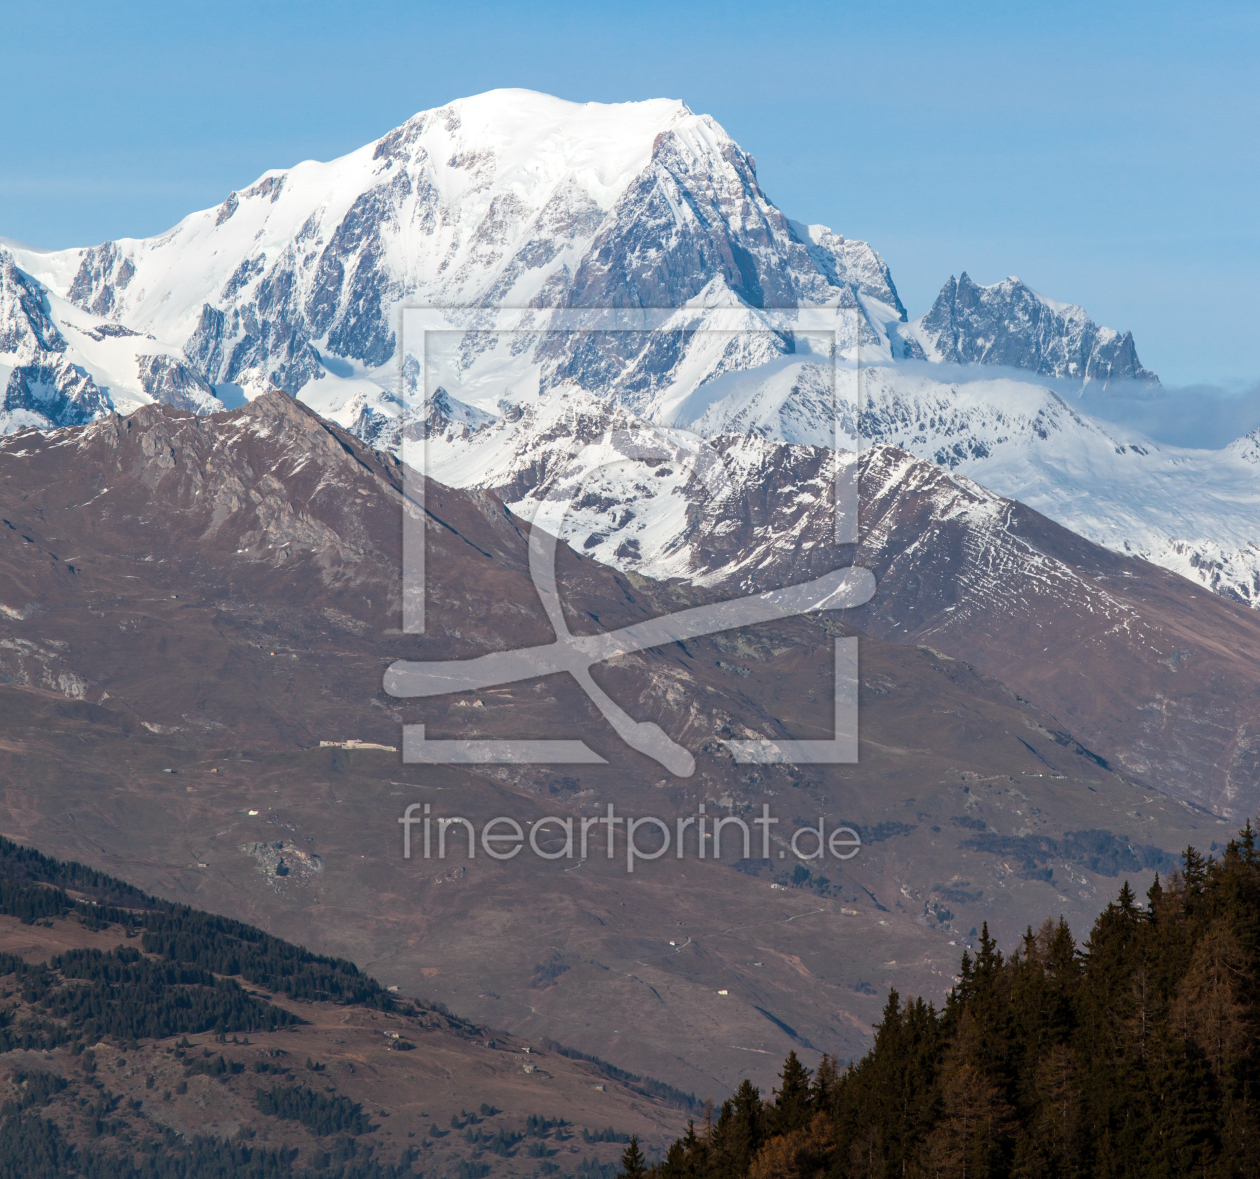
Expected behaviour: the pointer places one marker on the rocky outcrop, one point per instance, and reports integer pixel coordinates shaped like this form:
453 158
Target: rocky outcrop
167 380
1009 324
52 392
26 324
103 276
44 388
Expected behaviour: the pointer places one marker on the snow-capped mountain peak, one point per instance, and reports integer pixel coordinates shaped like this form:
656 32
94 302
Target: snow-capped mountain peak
1010 324
485 198
518 200
508 199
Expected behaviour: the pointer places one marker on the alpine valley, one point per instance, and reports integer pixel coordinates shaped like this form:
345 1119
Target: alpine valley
201 487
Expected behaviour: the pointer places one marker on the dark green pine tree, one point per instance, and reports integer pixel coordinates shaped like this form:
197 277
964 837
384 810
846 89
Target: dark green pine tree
1194 872
1113 1030
1247 843
633 1164
1177 1134
748 1123
676 1162
792 1098
739 1132
686 1159
989 1004
824 1087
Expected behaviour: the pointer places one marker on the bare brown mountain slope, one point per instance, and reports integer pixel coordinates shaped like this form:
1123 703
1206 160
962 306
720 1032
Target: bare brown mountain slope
190 605
1151 671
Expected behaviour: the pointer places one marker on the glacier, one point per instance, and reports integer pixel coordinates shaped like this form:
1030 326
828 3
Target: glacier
513 199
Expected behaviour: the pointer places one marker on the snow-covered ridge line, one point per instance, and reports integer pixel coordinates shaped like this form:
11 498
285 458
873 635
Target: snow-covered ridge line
509 198
1195 512
516 199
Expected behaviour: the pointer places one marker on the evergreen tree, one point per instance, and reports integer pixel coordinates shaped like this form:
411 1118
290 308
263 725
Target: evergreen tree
633 1164
792 1098
824 1086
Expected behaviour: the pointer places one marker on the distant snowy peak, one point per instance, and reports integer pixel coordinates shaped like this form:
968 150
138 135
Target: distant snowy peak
1010 324
491 200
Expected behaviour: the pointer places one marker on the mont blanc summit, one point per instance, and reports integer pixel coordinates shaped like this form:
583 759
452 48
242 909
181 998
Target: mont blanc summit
517 200
510 199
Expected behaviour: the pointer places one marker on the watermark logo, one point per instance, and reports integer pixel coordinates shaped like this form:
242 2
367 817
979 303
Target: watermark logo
645 838
576 654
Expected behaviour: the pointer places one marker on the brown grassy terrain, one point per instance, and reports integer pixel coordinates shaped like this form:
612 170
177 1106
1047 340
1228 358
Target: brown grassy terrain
192 605
413 1075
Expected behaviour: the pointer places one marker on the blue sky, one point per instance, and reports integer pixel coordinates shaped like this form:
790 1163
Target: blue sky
1105 153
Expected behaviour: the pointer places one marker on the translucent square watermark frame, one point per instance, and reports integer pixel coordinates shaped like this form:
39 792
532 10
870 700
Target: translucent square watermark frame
840 589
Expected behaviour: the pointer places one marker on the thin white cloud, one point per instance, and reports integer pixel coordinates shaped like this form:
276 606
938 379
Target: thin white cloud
1205 416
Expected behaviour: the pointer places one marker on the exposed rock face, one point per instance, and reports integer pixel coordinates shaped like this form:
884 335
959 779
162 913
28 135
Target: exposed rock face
52 392
170 382
204 348
845 262
696 214
1010 324
26 326
285 862
104 274
696 228
43 387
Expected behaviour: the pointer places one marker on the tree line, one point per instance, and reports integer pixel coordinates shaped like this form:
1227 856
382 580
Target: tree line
33 887
89 995
33 1147
1132 1056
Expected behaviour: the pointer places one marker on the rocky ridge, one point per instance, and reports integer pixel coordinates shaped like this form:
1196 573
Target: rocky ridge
1010 324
